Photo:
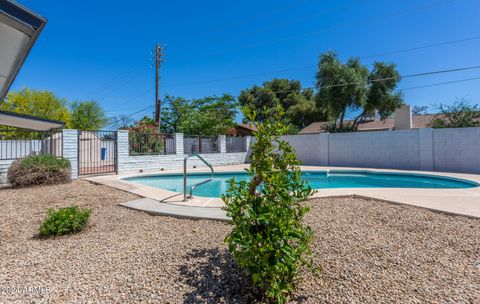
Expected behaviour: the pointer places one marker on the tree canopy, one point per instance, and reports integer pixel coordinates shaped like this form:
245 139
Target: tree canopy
298 103
82 115
461 114
88 115
44 104
211 115
350 86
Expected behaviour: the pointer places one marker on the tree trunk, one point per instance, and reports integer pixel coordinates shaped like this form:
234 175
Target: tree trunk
357 120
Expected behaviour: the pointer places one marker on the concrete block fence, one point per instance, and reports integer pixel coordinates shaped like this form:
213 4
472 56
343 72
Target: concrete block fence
136 163
445 150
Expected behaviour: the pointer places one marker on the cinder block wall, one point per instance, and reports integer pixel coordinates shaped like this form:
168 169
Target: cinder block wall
128 163
4 165
448 150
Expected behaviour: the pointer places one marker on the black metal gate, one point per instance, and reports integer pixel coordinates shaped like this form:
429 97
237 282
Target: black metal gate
97 152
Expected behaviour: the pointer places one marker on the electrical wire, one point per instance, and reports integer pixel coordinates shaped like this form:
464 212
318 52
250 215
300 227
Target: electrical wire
130 115
335 26
444 43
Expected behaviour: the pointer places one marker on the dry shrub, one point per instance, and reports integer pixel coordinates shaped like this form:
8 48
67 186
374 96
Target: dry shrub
40 169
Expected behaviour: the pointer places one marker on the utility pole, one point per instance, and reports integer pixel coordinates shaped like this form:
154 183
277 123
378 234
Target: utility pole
158 61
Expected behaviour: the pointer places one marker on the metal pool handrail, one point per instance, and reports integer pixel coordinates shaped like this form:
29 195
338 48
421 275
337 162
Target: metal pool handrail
185 197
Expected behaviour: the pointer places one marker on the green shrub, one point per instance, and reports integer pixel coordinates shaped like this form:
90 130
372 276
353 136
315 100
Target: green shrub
269 240
64 221
42 169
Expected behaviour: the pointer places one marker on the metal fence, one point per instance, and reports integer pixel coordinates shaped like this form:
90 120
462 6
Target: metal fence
200 144
151 144
15 144
97 152
236 144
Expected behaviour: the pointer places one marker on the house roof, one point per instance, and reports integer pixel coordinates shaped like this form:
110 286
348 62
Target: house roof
16 120
247 127
19 29
418 122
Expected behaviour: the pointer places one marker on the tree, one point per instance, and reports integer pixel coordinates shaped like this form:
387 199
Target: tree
173 110
269 240
88 115
211 115
38 103
122 121
352 87
419 110
297 102
145 137
461 114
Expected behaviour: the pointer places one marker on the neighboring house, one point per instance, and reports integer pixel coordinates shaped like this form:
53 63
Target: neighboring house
242 130
402 120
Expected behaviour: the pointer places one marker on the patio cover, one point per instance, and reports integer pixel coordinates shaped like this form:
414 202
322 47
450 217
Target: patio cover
19 29
28 122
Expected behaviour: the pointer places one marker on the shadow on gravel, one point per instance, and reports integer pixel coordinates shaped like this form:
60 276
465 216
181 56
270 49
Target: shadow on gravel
215 278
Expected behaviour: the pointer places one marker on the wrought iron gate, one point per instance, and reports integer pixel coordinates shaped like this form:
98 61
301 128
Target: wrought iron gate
97 152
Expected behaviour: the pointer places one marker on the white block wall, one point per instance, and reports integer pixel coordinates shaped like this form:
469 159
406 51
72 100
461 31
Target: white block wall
448 150
70 149
457 150
127 163
312 149
397 149
4 165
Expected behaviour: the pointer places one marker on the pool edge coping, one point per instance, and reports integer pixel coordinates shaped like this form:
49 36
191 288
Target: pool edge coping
464 202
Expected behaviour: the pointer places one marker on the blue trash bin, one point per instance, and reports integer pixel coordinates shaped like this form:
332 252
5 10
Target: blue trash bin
103 153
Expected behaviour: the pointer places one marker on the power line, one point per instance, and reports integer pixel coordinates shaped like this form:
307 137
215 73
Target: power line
259 16
343 7
439 84
423 47
389 78
305 34
399 90
400 77
114 81
133 114
122 84
445 71
376 80
136 96
433 45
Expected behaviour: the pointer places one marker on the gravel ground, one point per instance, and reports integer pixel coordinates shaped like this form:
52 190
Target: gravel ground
369 251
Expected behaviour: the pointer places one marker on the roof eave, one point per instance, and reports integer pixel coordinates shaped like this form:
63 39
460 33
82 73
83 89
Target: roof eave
23 121
26 21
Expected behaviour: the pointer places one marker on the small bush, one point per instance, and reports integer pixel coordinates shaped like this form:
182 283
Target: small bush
269 240
39 169
64 221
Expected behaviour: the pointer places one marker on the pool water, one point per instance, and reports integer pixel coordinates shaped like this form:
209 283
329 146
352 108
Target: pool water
316 179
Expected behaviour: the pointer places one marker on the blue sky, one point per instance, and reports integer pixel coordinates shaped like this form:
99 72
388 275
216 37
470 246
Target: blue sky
101 50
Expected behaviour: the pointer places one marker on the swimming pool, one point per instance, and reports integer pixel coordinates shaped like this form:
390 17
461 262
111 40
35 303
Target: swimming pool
316 179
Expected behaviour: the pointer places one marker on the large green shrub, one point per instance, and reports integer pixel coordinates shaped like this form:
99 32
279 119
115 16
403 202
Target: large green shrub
269 240
64 221
39 169
461 114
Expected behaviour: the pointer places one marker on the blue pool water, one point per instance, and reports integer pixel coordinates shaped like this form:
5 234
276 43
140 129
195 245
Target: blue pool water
316 179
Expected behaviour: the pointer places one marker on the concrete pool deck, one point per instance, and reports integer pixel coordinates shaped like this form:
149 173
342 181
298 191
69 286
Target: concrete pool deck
454 201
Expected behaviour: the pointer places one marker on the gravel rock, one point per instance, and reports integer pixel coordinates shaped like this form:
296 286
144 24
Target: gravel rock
369 252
